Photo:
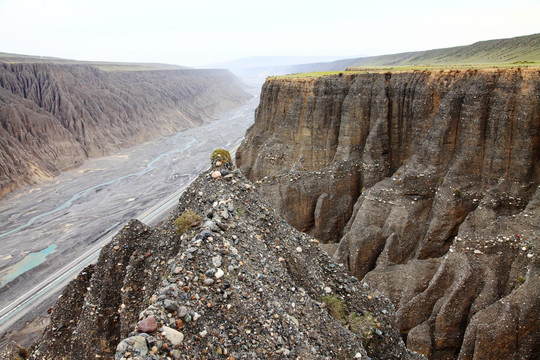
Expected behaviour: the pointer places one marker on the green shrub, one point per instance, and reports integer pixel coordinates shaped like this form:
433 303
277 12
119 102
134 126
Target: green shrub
222 156
186 221
521 279
335 307
457 193
363 325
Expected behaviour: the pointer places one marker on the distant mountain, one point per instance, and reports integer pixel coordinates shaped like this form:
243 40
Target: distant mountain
501 51
102 65
271 61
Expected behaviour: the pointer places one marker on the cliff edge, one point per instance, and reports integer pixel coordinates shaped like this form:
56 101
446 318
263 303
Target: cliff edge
428 182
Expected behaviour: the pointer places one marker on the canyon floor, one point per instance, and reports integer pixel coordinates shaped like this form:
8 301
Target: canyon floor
73 210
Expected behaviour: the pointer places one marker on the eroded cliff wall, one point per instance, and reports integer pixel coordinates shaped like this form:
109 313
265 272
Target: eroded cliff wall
53 116
429 183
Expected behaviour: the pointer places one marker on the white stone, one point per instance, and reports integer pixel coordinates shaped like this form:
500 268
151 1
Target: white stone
219 274
174 336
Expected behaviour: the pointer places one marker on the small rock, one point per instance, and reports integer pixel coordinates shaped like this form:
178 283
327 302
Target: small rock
136 345
219 274
208 281
174 336
176 354
477 252
299 249
182 311
170 305
148 325
216 174
216 261
327 290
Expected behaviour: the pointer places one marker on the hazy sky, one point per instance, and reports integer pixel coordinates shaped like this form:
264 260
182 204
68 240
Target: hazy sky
200 32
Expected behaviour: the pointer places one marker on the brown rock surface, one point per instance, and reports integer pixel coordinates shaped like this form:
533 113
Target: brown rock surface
429 182
53 116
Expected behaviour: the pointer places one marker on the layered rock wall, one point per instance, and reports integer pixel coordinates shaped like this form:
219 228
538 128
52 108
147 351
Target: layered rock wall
429 183
53 116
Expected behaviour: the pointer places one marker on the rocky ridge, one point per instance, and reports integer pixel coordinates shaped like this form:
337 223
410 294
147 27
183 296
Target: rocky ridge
54 116
429 183
241 284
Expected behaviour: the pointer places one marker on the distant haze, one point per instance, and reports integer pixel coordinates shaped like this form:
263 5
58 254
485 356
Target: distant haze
197 33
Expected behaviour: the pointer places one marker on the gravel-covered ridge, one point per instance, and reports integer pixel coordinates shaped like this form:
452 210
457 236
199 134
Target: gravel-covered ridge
242 284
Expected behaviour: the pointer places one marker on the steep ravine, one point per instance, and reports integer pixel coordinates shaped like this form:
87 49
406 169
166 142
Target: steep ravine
429 183
54 116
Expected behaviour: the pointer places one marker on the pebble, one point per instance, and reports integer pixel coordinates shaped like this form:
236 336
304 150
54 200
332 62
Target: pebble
135 345
174 336
170 305
182 311
216 261
219 274
216 174
208 281
148 325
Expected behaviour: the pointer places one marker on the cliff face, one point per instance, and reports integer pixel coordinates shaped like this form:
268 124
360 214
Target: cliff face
53 116
242 284
429 183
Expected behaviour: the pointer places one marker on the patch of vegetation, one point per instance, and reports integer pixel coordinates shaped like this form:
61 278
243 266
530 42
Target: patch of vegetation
458 193
186 221
222 156
521 279
336 307
362 325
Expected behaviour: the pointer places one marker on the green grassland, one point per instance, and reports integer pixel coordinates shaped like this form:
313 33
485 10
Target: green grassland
522 51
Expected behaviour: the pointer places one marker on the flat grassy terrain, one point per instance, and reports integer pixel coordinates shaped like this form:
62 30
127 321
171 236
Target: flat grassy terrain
394 69
522 51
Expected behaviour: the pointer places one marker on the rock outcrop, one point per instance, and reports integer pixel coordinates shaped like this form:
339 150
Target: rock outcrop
429 182
54 116
240 284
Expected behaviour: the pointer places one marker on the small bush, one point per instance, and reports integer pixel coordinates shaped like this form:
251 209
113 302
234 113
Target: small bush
221 155
186 221
521 279
363 325
457 193
335 307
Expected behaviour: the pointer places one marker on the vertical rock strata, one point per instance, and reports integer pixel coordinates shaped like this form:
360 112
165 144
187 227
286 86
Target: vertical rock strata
429 182
54 116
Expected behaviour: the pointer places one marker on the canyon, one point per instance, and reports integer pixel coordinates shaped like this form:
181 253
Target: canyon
424 184
56 114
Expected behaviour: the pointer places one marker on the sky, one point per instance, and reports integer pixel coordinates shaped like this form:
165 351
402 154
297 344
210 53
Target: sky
201 32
